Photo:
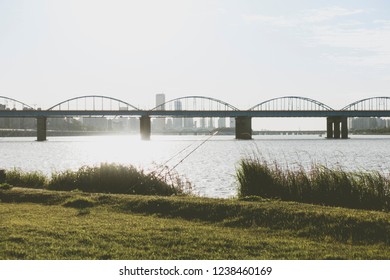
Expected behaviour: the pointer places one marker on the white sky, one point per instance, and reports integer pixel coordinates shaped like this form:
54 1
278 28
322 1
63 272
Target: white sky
242 52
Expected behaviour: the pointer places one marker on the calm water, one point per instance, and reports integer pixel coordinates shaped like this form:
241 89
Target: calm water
211 168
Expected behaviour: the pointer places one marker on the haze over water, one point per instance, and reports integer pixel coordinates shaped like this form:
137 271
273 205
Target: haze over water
210 168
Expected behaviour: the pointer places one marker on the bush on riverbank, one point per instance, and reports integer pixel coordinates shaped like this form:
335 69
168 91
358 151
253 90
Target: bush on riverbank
115 178
320 185
21 178
105 178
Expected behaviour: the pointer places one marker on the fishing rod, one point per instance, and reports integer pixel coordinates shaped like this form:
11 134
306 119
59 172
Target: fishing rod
192 151
164 167
178 153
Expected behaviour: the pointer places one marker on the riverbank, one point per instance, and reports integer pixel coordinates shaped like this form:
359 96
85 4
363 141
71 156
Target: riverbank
58 133
221 131
43 224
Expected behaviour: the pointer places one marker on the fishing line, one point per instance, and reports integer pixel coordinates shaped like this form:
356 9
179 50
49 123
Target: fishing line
164 165
197 147
178 153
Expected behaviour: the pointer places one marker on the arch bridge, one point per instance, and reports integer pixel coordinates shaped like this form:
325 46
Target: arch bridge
199 107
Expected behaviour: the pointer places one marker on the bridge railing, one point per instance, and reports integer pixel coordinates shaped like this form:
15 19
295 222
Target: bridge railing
198 103
7 103
93 103
381 103
195 103
291 103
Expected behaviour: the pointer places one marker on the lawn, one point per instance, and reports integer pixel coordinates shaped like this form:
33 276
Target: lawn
41 224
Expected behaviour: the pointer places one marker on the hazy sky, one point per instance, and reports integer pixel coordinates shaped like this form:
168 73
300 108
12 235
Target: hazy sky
242 52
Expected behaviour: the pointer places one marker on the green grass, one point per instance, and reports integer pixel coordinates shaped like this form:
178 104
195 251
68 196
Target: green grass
79 202
43 224
320 185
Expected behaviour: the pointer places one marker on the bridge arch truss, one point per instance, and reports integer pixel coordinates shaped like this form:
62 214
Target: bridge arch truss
381 103
93 103
291 103
7 103
195 103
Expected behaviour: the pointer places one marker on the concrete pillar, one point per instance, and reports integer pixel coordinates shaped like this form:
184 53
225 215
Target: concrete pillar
333 129
344 128
336 128
244 128
145 127
41 128
329 127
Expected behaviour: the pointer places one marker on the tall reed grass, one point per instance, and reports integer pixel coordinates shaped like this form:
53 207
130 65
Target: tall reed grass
115 178
21 178
105 178
319 185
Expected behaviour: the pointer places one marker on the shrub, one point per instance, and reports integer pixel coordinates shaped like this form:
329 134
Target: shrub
320 185
20 178
114 178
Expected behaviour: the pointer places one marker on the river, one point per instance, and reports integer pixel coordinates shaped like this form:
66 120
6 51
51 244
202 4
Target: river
209 164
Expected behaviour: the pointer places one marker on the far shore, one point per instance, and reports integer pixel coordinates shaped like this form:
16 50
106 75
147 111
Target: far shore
60 133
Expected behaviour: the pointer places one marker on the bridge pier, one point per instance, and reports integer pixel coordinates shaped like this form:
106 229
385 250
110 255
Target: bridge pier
145 127
244 128
337 127
41 128
344 128
329 128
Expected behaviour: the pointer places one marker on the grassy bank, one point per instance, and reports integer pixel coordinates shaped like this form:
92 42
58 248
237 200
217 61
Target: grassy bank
105 178
43 224
320 185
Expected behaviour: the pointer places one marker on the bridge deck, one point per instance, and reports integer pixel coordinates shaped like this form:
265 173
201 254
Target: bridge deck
139 113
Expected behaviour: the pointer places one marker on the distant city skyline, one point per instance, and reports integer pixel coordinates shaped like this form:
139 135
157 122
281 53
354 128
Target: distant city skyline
178 123
241 52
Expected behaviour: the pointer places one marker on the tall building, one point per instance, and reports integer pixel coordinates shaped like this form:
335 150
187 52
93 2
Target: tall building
160 101
159 123
178 122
